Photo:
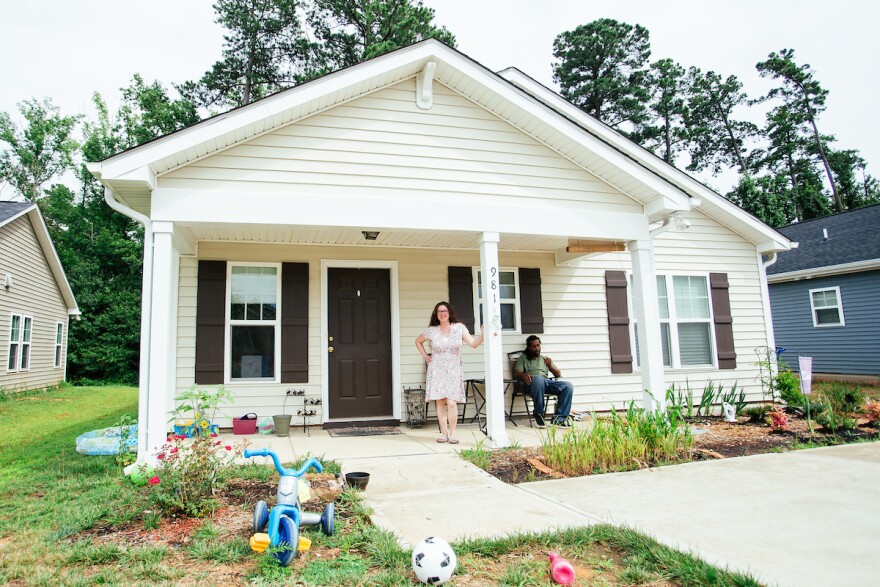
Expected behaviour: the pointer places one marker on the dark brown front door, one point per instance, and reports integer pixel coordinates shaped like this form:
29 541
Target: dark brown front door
359 321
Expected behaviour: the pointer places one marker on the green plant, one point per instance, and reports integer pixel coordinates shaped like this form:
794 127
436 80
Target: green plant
189 475
479 455
200 406
758 413
125 457
789 387
683 401
708 398
844 398
872 408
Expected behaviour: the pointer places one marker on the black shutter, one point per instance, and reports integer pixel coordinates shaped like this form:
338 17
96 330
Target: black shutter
461 295
530 305
618 322
723 320
210 322
294 323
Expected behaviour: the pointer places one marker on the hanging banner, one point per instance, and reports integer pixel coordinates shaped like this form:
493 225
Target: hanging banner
805 364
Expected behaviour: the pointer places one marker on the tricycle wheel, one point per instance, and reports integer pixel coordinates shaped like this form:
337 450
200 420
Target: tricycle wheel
288 541
261 516
327 523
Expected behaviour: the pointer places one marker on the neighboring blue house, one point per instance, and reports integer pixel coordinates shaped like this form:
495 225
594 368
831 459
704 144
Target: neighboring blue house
825 294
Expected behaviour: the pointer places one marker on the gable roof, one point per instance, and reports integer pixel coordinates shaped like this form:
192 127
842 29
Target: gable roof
10 211
511 96
851 244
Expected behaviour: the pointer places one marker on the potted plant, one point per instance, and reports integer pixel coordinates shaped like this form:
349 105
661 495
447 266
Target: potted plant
196 408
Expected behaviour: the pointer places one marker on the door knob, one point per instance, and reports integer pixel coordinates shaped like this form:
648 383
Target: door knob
330 349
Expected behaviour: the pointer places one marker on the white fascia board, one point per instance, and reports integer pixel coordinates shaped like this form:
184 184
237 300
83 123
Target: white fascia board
682 180
395 212
264 109
52 258
828 271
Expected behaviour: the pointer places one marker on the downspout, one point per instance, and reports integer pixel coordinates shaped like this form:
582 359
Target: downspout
146 311
768 315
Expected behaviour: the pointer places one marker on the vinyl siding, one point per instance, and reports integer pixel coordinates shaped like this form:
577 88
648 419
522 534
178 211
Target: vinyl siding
34 293
575 331
383 144
850 349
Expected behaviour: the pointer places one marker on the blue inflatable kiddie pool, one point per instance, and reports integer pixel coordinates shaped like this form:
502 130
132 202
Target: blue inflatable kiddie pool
106 441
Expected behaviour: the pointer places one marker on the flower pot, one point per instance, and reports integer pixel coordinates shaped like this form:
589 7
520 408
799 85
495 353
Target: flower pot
282 424
358 480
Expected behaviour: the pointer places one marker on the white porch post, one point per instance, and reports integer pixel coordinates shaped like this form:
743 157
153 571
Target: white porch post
495 428
648 320
160 384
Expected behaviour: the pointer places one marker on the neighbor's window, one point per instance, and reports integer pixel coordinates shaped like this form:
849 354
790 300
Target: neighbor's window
253 321
827 307
685 321
14 343
59 338
508 294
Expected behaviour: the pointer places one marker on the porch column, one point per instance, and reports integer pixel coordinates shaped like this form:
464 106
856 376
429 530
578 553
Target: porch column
495 428
163 340
648 321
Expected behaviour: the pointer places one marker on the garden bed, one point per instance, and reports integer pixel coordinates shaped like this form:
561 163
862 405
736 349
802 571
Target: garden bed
714 439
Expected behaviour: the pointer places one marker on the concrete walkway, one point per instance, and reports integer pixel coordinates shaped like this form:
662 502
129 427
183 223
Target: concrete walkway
792 519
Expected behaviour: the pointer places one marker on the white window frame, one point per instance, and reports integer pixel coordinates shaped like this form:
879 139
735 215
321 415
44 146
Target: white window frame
517 313
16 342
227 347
839 307
673 320
27 344
59 343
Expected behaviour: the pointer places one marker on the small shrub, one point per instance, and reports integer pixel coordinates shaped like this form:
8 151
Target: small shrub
758 413
872 408
778 418
189 476
789 388
125 457
843 398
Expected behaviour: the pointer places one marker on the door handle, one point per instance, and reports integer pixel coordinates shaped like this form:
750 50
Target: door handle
330 349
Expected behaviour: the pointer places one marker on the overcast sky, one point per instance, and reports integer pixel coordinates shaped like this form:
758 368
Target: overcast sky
68 49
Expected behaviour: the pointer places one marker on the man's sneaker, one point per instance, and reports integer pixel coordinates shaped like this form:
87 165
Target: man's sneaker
539 421
562 423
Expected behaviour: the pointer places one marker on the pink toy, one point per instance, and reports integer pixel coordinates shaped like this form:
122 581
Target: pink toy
561 570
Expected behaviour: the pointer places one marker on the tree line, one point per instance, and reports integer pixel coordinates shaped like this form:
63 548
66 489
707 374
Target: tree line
602 67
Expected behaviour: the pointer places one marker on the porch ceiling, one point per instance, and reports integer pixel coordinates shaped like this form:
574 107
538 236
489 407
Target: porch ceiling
299 235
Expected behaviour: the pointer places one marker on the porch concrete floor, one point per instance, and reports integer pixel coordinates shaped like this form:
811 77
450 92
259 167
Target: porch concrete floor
797 518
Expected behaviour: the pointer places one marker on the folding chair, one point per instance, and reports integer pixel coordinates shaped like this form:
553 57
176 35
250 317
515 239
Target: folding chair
518 389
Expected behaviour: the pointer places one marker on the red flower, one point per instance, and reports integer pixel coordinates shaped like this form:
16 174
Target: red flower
218 443
228 447
214 435
161 455
174 450
154 480
180 436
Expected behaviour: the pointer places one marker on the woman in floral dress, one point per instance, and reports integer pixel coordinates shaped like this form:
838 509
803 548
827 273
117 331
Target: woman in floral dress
445 366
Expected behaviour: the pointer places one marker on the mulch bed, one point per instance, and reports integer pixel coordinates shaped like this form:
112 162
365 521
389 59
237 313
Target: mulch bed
718 440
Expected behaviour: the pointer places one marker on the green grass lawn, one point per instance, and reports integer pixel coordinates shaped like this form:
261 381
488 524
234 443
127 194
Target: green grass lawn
49 494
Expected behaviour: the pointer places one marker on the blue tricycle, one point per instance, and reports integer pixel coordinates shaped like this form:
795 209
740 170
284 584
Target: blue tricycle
285 519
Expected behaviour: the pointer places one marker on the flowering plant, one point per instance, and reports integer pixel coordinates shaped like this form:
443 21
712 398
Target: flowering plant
778 418
188 479
199 406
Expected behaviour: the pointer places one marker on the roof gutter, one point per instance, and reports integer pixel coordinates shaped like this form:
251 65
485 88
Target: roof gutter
146 311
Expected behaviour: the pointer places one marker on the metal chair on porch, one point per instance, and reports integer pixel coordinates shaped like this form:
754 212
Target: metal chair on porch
518 390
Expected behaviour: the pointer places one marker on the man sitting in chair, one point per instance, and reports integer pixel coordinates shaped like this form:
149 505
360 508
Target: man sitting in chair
532 369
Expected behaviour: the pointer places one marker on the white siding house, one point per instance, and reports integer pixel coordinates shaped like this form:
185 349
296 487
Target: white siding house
264 273
36 302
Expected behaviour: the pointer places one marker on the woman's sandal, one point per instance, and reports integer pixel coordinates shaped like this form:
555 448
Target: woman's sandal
453 441
443 438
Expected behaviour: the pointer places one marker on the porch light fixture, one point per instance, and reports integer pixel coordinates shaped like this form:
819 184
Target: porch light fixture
370 235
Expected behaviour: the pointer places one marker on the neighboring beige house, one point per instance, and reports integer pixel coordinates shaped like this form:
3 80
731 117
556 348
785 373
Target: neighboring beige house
301 242
36 301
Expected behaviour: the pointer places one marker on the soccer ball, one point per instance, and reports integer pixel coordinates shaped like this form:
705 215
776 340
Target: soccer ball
433 561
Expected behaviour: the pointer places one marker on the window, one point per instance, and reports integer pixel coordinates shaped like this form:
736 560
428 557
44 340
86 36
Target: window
59 339
508 294
19 357
685 321
254 331
827 307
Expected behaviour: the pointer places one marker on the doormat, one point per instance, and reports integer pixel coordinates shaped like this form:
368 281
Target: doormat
363 431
